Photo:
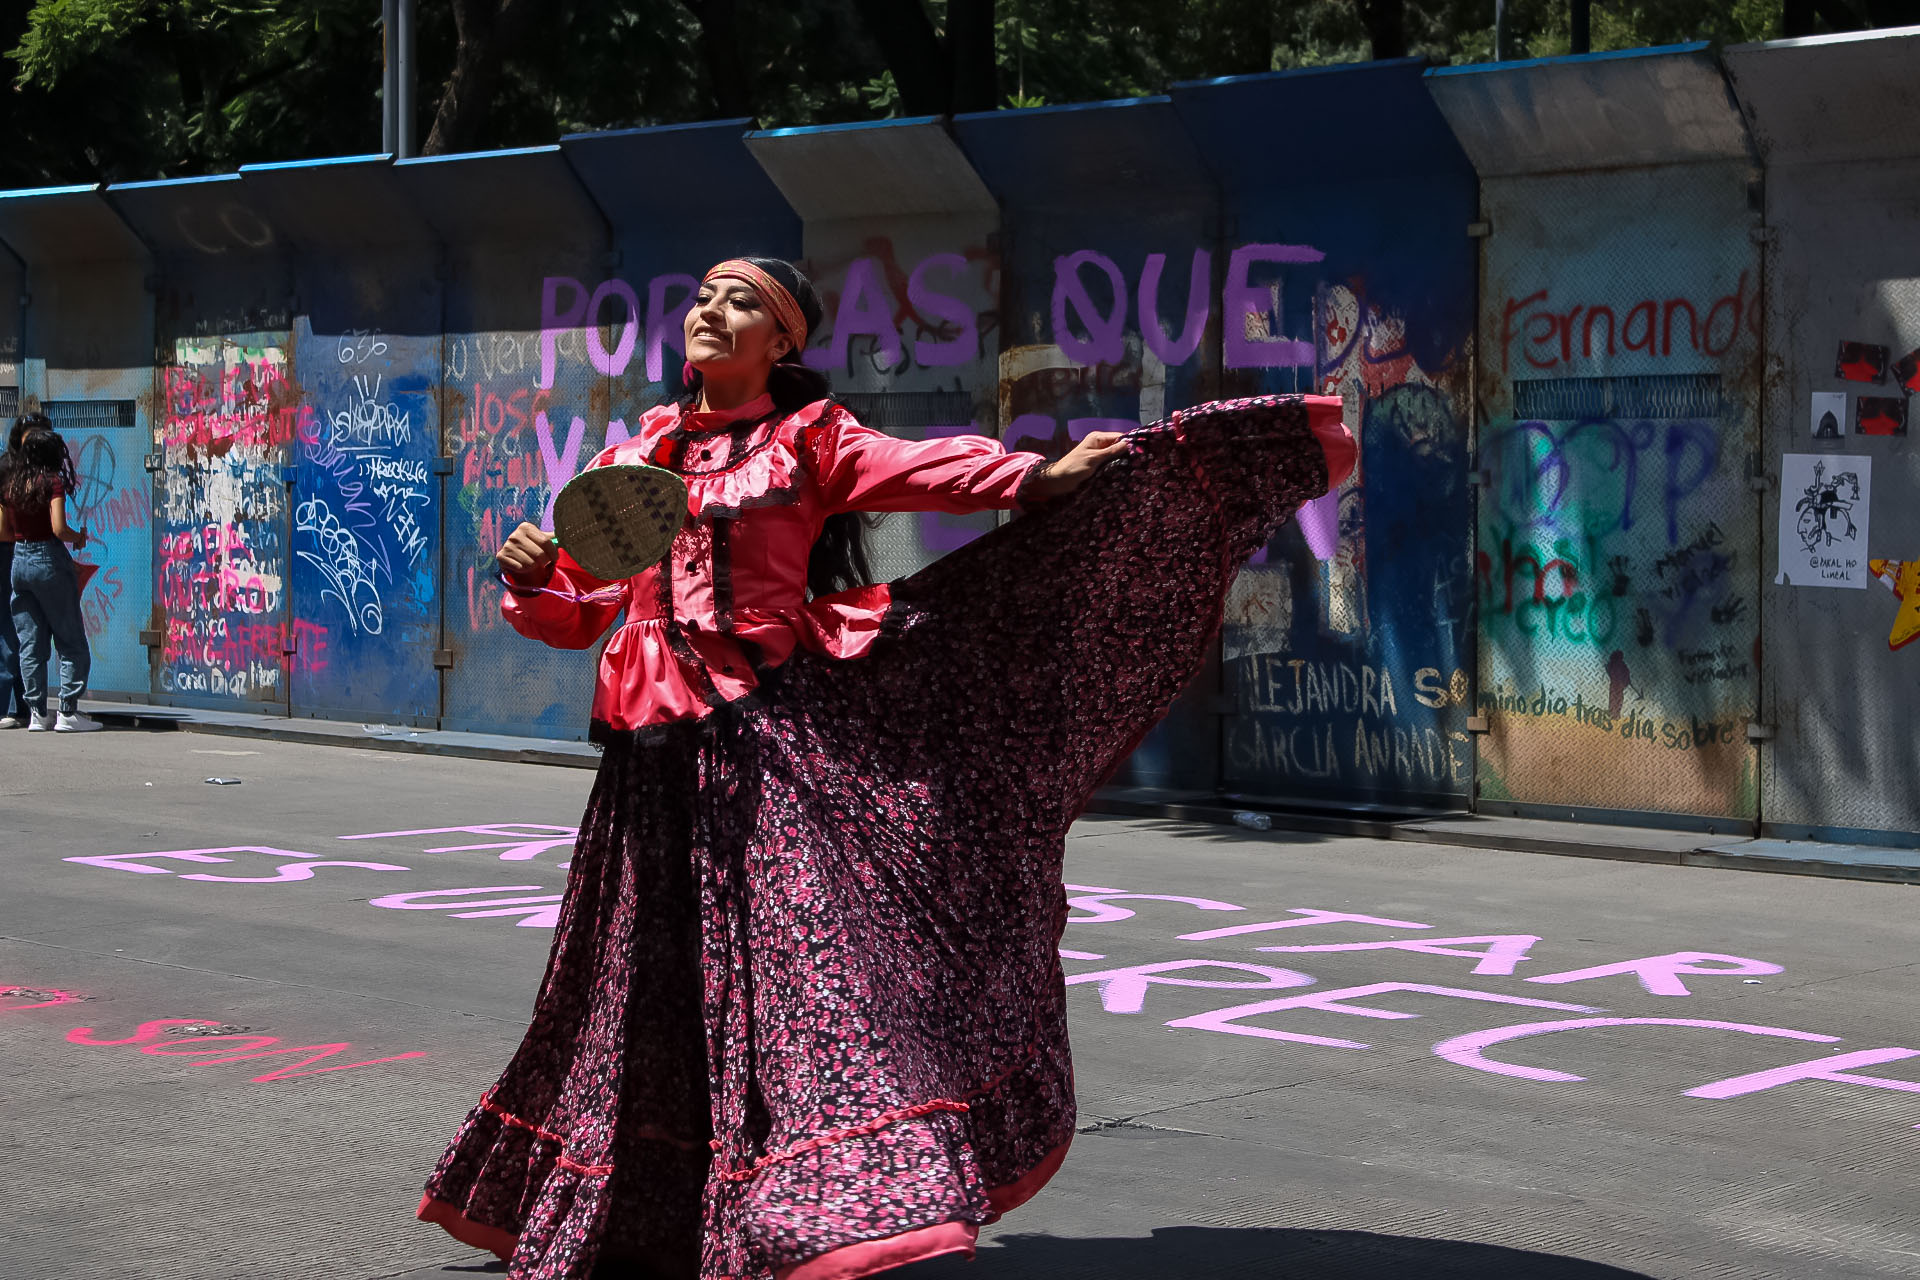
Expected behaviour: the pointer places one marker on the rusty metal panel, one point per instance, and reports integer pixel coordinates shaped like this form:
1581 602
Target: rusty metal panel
85 355
1834 119
365 569
522 406
1092 198
1348 639
1619 561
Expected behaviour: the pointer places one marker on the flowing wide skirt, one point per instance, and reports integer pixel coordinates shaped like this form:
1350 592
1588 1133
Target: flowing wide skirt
804 1016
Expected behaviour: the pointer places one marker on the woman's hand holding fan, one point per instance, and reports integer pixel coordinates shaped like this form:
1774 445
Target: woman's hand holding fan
614 521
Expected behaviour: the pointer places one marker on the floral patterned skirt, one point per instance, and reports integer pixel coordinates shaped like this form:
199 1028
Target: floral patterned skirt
804 1016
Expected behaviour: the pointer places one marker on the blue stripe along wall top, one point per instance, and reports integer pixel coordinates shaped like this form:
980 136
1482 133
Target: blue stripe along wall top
366 555
1099 203
228 412
1345 643
88 358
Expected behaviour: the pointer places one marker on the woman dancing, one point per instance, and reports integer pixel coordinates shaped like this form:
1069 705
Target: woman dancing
804 1016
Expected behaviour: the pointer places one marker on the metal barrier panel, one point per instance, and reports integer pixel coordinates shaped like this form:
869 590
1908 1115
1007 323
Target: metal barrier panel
1834 119
87 360
229 413
1618 570
1097 204
1347 641
366 524
106 419
365 565
902 241
522 407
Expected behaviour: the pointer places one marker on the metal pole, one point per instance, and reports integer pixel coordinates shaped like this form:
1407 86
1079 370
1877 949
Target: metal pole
390 79
1582 26
405 76
1500 51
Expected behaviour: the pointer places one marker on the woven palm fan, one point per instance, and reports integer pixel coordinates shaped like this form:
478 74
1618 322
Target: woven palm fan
618 521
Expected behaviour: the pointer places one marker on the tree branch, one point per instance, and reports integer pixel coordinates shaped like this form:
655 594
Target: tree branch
912 50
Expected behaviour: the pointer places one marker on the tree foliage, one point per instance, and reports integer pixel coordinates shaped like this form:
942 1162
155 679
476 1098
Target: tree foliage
130 89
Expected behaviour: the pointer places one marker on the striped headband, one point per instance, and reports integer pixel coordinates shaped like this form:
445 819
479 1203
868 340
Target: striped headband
786 312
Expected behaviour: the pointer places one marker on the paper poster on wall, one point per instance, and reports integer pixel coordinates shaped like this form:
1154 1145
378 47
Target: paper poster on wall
1880 416
1861 362
1829 415
1824 499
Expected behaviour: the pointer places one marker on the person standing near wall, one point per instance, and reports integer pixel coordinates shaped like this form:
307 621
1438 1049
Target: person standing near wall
46 587
804 1015
13 703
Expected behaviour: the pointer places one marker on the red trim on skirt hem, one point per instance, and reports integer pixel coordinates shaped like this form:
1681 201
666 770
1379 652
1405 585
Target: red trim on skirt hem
850 1262
464 1229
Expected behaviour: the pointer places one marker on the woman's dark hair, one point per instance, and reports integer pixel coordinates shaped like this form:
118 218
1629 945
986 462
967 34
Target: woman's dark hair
38 467
839 557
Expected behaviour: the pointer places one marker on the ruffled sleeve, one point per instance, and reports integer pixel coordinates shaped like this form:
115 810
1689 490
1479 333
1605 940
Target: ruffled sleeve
860 469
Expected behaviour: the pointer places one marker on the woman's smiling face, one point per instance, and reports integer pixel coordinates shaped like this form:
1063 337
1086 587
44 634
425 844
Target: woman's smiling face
730 332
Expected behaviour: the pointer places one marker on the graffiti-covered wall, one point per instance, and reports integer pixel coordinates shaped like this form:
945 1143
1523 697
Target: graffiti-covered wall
1629 356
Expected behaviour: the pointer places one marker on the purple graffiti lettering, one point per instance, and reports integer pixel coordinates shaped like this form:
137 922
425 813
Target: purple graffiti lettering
1257 308
554 321
612 363
1466 1050
1660 975
863 309
1103 343
666 324
560 467
1124 990
1099 903
1319 522
1312 915
1175 351
965 345
1836 1069
1498 953
1227 1020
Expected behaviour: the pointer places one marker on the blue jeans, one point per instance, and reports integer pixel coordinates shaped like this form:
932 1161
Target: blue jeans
46 610
12 701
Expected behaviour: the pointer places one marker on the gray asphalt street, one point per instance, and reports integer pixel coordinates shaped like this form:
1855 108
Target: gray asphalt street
238 1023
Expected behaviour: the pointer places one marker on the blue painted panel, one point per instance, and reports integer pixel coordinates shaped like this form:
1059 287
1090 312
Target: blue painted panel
1347 642
366 525
1073 252
511 221
114 503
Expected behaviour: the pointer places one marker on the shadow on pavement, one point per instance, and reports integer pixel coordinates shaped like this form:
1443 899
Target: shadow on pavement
1180 1253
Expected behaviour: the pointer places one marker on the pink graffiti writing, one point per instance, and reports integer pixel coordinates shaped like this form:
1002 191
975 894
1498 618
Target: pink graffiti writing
151 1038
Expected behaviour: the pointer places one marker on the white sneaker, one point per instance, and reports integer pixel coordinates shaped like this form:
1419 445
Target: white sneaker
10 722
78 722
40 723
